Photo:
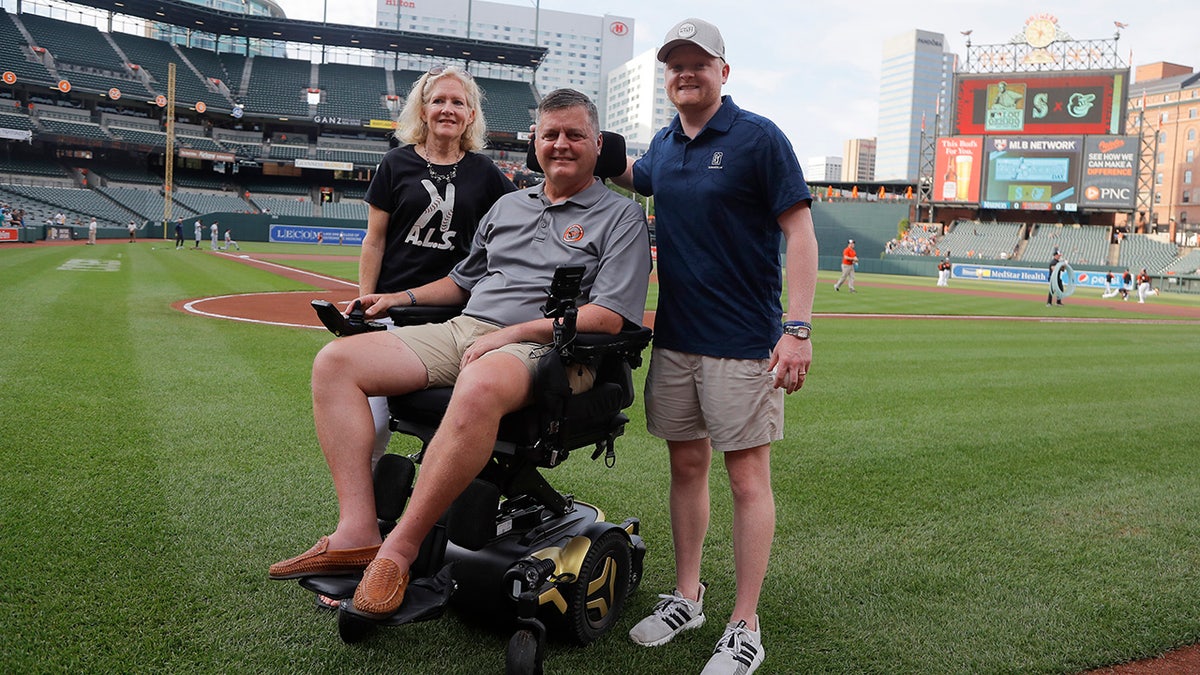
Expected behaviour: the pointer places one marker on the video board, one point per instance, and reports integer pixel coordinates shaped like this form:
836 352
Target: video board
1073 104
1031 173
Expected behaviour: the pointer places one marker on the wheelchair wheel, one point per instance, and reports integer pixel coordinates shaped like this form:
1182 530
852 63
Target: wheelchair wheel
353 629
596 598
522 657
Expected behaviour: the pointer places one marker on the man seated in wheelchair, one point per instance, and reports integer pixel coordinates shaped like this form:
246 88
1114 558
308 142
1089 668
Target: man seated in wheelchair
488 353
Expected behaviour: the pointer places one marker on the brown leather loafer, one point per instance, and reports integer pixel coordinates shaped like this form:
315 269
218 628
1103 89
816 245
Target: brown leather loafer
320 560
381 591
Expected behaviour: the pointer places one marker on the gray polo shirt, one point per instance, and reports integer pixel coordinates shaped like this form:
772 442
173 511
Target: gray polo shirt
524 237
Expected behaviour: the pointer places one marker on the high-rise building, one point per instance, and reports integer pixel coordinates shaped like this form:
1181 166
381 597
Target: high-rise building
188 37
917 73
823 169
637 104
581 48
858 162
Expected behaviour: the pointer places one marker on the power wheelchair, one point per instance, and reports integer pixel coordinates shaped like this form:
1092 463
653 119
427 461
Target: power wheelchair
511 546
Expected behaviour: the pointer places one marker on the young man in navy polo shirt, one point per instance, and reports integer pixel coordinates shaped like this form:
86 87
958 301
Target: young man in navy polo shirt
727 184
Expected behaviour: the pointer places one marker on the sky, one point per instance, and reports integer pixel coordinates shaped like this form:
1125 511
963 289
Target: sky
813 68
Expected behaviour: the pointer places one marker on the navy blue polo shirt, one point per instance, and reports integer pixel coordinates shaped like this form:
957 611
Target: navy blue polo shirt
718 198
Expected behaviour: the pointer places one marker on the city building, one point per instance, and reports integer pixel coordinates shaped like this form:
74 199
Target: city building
823 169
581 48
637 106
917 73
196 38
1164 107
858 162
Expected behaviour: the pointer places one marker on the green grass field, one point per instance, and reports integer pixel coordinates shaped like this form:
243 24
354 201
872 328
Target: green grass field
955 496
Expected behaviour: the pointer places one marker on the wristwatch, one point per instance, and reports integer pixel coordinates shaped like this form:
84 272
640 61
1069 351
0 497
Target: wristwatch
797 329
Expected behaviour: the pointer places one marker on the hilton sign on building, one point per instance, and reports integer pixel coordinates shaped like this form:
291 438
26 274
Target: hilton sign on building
581 48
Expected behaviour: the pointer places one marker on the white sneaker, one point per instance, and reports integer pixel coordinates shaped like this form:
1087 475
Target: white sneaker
739 652
671 616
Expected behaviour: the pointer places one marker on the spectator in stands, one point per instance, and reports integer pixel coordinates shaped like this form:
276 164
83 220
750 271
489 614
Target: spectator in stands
489 351
428 194
92 232
1143 286
849 263
721 361
199 232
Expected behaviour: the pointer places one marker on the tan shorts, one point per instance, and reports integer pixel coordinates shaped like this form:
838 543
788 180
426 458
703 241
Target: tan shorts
732 402
440 347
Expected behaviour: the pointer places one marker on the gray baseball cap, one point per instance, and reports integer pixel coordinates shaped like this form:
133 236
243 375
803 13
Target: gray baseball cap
693 31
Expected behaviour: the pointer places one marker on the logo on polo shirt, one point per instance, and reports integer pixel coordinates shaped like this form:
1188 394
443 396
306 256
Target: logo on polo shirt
573 233
715 162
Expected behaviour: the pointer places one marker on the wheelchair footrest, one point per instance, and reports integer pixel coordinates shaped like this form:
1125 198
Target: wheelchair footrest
425 599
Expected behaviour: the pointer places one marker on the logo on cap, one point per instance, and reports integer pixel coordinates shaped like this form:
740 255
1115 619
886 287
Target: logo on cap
687 30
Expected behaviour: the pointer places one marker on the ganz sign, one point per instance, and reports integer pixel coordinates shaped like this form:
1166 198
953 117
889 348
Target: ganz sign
340 121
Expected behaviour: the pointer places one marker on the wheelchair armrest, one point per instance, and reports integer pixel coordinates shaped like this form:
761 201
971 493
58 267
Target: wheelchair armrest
415 315
629 343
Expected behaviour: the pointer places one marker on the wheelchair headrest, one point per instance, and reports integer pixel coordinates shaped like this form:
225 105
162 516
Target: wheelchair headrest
611 161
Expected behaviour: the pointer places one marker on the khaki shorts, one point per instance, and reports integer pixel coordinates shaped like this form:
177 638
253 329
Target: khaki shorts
440 347
732 402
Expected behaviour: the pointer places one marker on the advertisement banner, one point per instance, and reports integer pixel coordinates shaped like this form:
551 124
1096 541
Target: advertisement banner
1026 103
16 134
958 161
304 234
1027 275
209 155
9 234
1032 173
323 164
1109 176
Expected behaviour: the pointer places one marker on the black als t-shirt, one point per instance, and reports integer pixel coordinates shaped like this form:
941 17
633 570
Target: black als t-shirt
432 220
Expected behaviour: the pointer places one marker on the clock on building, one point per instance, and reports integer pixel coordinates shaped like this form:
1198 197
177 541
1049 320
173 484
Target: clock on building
1040 32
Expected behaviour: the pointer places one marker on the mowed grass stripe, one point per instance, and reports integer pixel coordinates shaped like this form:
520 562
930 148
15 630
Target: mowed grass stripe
954 496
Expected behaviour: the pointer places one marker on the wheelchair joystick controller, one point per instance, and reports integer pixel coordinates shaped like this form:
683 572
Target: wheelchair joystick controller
560 305
342 325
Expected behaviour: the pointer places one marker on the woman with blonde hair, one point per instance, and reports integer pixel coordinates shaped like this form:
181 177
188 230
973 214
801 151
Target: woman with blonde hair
427 198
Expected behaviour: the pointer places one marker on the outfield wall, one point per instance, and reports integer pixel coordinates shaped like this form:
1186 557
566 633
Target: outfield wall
268 227
870 224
